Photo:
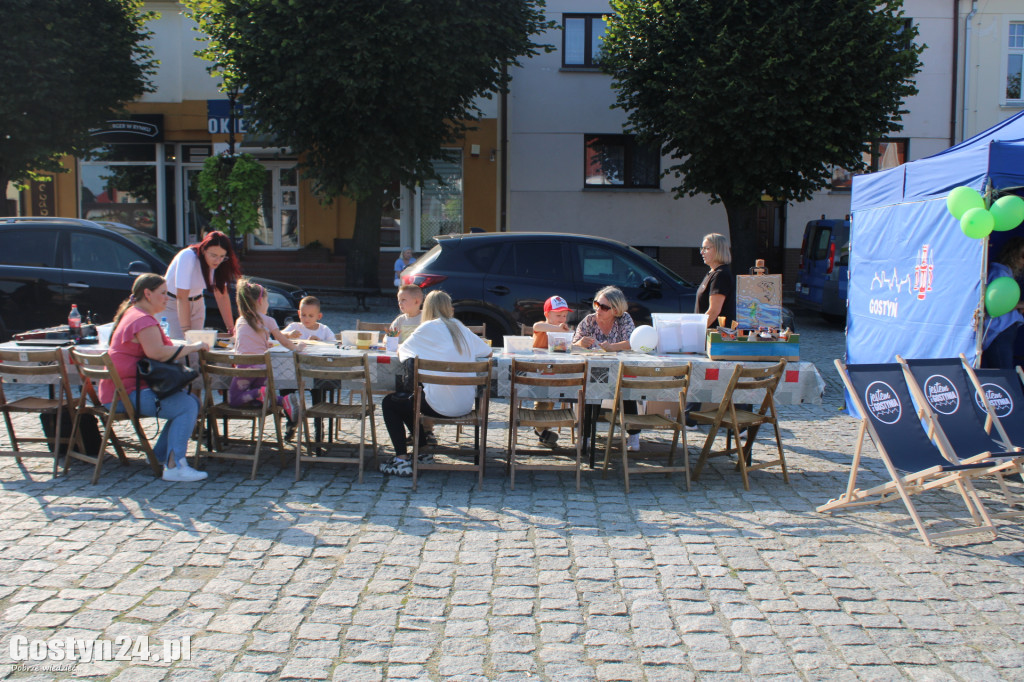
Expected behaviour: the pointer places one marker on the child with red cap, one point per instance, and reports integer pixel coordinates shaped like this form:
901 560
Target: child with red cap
556 314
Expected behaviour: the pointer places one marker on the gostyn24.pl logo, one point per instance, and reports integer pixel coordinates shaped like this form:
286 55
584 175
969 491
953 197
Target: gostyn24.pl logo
81 650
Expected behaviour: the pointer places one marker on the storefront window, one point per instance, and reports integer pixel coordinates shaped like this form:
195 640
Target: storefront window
441 203
119 184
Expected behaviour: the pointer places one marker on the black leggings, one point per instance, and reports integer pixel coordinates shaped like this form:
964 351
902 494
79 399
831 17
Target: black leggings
398 414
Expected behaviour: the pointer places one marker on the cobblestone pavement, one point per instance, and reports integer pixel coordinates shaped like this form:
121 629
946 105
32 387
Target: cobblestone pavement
327 578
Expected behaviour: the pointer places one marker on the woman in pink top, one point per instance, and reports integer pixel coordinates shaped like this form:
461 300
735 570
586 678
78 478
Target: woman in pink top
136 334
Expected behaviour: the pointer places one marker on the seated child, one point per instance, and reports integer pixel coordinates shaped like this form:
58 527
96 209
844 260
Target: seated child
410 300
308 326
556 314
253 330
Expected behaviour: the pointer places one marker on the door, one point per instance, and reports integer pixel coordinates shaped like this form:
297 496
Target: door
279 209
770 236
97 273
31 294
527 275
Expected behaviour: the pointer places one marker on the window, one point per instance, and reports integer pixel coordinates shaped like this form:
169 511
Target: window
603 267
884 154
618 161
99 254
581 39
440 203
534 260
1015 60
29 247
119 184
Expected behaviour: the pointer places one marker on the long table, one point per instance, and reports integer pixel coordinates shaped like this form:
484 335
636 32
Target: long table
801 384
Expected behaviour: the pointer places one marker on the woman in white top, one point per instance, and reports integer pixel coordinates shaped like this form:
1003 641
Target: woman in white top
212 264
438 337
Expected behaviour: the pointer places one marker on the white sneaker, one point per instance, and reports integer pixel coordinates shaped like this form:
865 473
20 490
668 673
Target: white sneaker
634 442
183 473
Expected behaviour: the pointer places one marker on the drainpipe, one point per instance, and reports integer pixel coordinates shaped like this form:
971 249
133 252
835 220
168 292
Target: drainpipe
967 66
955 65
503 155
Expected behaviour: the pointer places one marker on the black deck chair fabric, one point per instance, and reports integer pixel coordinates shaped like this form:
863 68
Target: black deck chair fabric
1006 396
948 391
883 390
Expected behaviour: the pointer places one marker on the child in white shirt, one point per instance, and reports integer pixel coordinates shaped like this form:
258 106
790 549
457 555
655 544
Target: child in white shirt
309 326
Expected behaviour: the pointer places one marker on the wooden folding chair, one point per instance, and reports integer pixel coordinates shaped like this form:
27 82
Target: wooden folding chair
736 421
526 330
93 368
880 396
41 367
479 329
333 372
443 373
558 381
636 382
218 369
372 326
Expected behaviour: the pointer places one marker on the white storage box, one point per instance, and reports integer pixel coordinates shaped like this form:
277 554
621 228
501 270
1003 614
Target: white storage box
560 341
681 332
359 339
518 344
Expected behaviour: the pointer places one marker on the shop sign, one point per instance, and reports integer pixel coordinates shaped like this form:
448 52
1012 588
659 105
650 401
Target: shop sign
42 193
137 128
218 117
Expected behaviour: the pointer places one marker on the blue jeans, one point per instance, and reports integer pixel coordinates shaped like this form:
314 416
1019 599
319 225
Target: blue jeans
180 411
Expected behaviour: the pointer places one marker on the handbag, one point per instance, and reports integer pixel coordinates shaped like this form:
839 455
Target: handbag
163 378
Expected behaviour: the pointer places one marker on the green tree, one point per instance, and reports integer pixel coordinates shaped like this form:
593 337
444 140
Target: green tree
67 65
367 92
754 98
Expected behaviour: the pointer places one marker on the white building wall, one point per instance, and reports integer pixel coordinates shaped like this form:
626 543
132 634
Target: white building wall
181 75
550 110
984 68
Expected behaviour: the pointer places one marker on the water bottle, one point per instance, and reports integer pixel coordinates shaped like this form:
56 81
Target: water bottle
163 325
74 321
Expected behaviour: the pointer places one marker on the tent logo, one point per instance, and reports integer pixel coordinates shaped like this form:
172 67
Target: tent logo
941 394
882 402
923 274
998 398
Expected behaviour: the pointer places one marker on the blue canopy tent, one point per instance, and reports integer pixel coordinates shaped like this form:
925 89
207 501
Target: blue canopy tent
915 278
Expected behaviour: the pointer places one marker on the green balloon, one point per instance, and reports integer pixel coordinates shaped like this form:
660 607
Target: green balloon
963 199
1001 296
1008 212
977 223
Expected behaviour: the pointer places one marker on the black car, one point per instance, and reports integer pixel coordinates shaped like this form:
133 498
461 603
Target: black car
503 279
47 264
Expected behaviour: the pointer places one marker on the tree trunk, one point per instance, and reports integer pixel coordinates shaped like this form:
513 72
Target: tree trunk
742 234
363 260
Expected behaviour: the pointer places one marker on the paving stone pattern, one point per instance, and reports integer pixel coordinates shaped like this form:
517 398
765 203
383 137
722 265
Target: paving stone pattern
327 578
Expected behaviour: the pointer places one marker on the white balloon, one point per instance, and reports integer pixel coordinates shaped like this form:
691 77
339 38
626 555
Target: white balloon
644 339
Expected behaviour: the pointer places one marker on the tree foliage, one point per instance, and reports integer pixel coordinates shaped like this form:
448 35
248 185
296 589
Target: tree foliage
231 189
67 65
367 92
752 97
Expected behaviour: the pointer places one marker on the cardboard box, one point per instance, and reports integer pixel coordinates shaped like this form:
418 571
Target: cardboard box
667 408
741 349
759 301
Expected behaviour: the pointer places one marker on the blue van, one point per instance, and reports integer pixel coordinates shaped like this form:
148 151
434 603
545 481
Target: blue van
824 263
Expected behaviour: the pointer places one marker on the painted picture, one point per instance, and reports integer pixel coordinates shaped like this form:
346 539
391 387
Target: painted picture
759 301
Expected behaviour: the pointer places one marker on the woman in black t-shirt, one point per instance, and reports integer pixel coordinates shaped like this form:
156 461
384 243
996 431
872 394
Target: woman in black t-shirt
716 295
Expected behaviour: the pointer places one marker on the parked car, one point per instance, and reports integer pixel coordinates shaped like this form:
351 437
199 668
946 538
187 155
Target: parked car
502 279
824 266
47 264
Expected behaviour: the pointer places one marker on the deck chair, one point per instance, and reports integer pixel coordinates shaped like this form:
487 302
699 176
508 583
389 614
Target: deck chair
218 369
943 390
636 382
879 394
439 372
557 380
41 367
333 372
1002 397
736 421
93 368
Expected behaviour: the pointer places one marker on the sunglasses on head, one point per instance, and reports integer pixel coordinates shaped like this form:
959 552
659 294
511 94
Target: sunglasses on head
602 306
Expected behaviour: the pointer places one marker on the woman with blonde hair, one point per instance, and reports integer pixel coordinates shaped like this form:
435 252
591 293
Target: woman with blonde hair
716 295
438 337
